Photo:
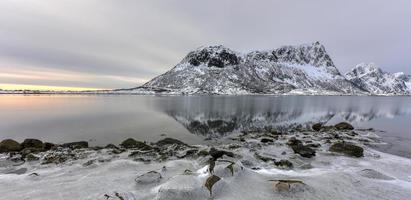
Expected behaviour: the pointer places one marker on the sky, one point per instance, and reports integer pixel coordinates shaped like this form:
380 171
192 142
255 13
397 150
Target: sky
103 44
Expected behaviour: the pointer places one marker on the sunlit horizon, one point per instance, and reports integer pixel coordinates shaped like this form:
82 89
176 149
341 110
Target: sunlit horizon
45 87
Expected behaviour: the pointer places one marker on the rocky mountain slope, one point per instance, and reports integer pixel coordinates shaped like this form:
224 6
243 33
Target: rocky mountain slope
376 81
288 69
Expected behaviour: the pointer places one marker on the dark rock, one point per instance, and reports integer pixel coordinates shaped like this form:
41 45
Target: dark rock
111 146
303 150
131 143
263 158
32 157
294 141
76 145
203 153
170 141
9 145
213 179
347 149
32 143
48 146
299 148
317 126
284 164
27 151
216 154
266 140
344 126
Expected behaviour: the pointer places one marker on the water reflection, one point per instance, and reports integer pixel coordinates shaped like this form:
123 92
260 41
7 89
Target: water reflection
218 116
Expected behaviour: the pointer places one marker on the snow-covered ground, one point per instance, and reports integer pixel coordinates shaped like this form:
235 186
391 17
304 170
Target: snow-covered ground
104 175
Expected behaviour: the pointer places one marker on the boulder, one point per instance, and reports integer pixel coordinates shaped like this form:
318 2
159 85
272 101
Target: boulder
298 148
317 126
32 143
286 164
344 126
288 185
76 145
216 154
170 141
149 177
266 140
9 145
347 149
132 143
213 179
183 187
32 157
303 150
48 146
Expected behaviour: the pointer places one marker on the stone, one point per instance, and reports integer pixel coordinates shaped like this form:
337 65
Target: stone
131 143
111 146
216 154
32 143
286 185
347 149
284 164
344 126
170 141
213 179
32 157
317 126
9 145
298 148
149 178
48 146
76 145
266 140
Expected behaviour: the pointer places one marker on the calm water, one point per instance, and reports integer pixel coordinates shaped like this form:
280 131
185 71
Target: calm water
111 119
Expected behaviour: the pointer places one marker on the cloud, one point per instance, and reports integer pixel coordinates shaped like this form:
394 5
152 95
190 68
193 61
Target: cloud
111 44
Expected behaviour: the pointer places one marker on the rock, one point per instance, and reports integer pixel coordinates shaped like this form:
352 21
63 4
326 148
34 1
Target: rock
213 179
183 187
32 143
347 149
76 145
203 153
131 143
9 145
344 126
299 148
32 157
216 154
263 158
303 150
284 164
170 141
266 140
48 146
111 146
149 177
370 173
317 126
286 185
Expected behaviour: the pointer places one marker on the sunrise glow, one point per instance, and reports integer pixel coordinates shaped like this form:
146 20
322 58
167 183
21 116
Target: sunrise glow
43 87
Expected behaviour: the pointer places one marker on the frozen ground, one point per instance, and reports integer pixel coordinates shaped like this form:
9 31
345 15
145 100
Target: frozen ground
102 174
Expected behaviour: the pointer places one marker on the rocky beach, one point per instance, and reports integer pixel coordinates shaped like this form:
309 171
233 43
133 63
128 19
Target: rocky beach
316 162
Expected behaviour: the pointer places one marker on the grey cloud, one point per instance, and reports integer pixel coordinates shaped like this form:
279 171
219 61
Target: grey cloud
143 39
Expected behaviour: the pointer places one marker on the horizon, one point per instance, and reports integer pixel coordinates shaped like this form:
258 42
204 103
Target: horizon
110 45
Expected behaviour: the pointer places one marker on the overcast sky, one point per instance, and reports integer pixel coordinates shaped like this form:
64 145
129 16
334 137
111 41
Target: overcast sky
123 43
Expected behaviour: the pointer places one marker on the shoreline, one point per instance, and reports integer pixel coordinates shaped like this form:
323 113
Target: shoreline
281 164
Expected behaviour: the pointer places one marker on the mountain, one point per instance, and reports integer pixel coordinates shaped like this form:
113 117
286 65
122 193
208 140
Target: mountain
306 69
376 81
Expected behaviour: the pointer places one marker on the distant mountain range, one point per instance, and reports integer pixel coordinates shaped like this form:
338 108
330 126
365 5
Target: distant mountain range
288 70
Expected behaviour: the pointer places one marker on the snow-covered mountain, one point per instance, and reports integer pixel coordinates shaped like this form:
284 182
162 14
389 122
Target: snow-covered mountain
376 81
286 70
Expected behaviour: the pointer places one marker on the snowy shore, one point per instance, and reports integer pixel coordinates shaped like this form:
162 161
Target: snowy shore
330 163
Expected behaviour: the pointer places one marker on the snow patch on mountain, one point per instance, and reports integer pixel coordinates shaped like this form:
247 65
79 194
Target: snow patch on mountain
376 81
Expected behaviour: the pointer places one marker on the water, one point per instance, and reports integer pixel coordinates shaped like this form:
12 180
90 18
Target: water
111 119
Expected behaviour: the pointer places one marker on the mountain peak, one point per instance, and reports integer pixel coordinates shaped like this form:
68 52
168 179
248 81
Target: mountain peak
213 56
364 69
